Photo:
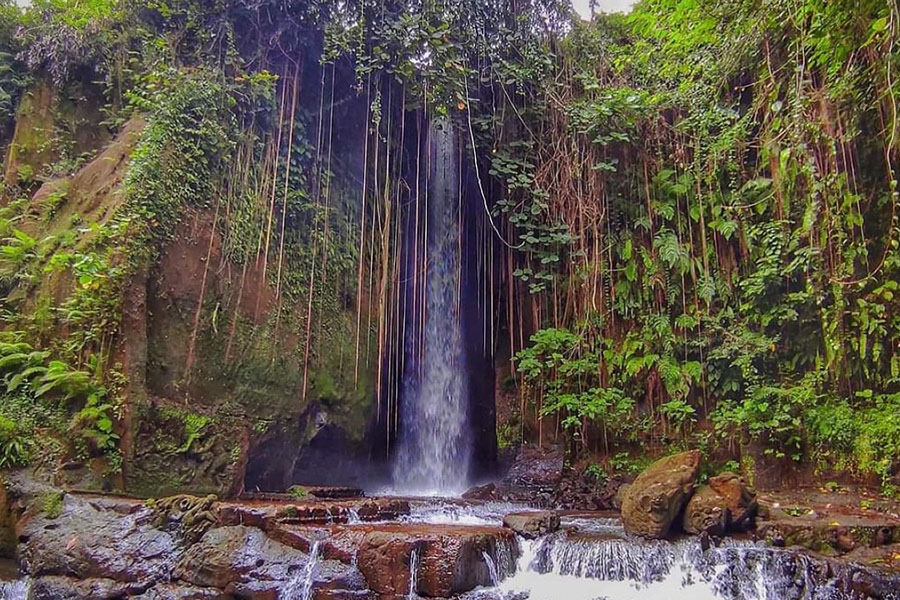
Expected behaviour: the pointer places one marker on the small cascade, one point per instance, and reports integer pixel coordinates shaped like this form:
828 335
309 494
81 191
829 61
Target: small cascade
15 590
300 587
630 569
353 516
492 569
413 575
612 560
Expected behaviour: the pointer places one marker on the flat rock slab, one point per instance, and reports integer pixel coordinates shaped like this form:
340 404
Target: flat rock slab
449 559
265 514
322 493
830 534
533 524
885 558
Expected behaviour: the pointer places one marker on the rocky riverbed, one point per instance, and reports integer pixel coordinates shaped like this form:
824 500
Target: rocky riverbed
72 545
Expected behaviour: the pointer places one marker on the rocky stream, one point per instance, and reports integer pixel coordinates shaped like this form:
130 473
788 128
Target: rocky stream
336 544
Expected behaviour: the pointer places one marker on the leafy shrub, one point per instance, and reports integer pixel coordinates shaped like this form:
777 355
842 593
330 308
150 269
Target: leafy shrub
15 448
769 414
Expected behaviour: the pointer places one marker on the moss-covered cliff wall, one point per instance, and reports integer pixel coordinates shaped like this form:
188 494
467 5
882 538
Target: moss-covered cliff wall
214 361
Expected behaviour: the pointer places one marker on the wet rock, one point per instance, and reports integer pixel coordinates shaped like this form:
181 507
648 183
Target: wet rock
534 476
265 515
450 559
245 562
658 494
336 542
835 534
886 557
485 493
89 540
54 587
531 525
737 497
706 513
619 498
169 591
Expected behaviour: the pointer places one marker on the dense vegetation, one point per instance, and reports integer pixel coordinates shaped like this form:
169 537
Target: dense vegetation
728 176
688 214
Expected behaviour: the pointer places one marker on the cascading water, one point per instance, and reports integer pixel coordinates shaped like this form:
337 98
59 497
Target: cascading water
592 558
630 569
301 586
433 448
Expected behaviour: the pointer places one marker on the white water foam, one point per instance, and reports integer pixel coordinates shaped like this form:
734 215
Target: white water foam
449 512
15 590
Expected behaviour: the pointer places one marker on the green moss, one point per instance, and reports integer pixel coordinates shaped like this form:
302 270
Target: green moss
51 504
298 491
509 434
748 469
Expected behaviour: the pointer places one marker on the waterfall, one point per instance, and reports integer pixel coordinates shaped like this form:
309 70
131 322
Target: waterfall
433 448
300 587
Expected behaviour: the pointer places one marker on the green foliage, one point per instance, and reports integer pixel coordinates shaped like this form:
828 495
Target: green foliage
624 463
298 491
565 372
727 268
176 163
13 78
15 252
31 379
195 427
596 474
15 447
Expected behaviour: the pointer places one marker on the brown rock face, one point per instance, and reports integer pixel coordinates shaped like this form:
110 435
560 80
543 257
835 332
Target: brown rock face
737 497
265 514
244 562
706 513
653 501
485 492
531 525
725 503
450 559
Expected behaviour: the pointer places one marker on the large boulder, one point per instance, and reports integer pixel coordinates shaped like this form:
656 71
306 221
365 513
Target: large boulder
724 503
658 495
706 513
737 497
531 525
94 539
